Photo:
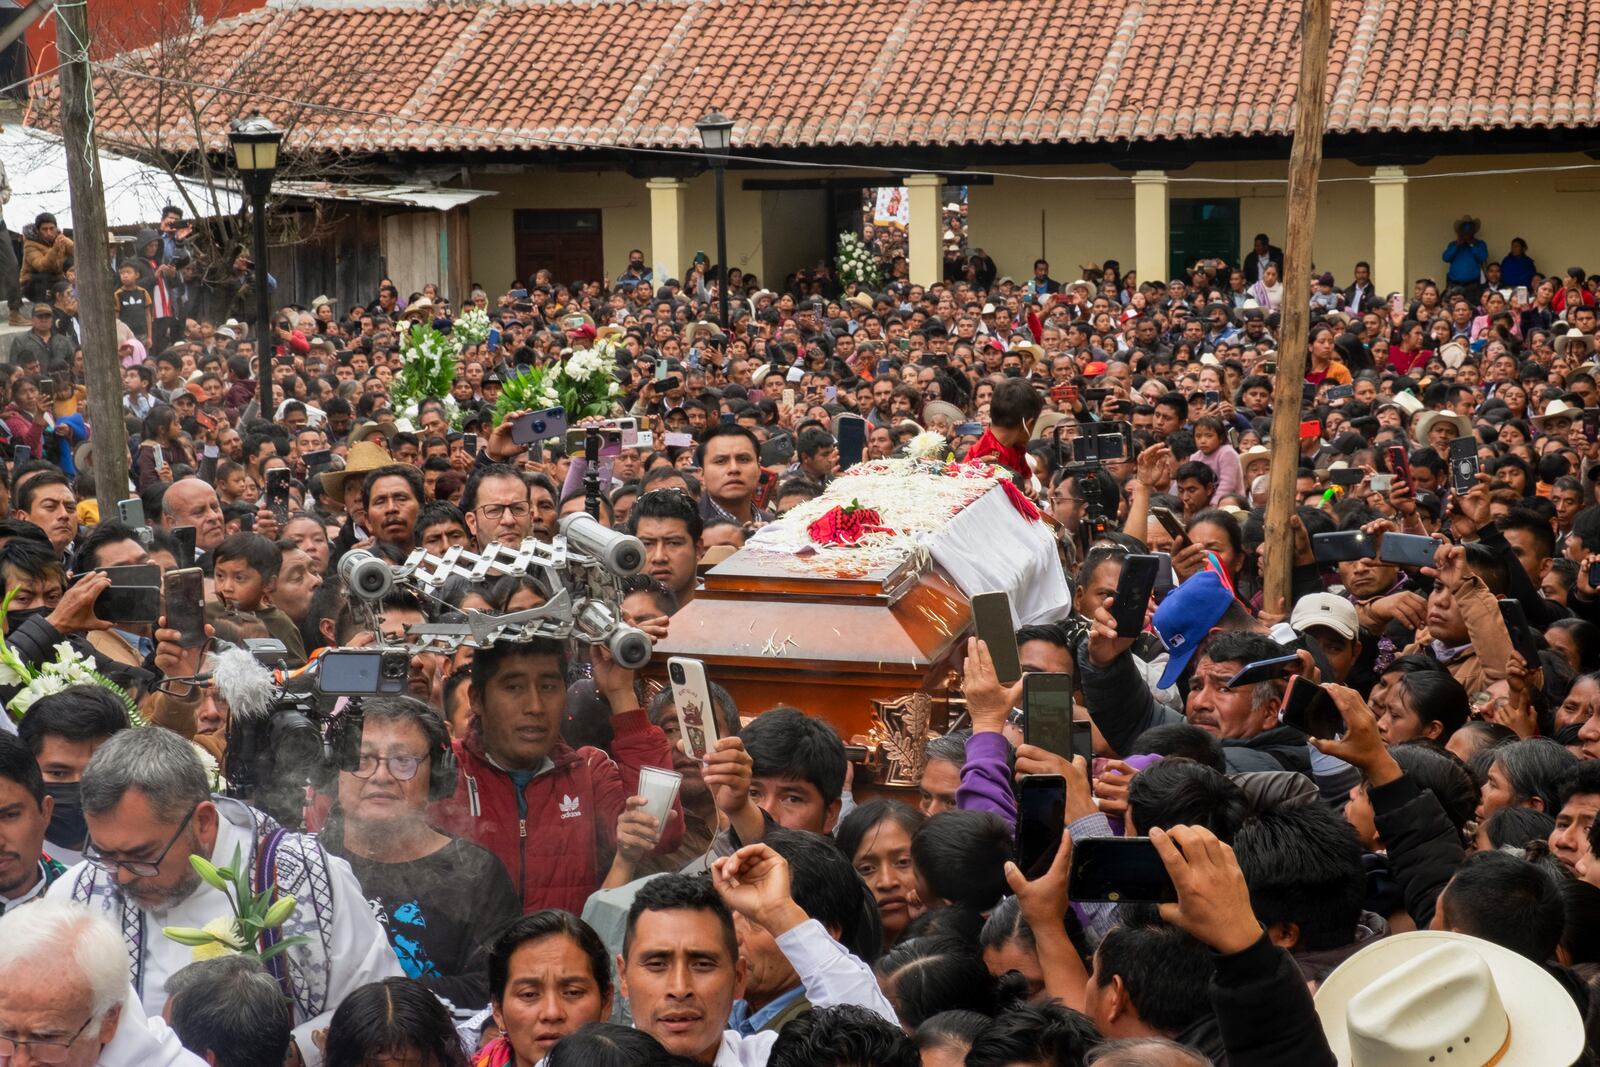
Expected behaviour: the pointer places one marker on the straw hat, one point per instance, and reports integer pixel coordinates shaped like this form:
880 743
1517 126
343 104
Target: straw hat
862 300
364 457
1571 337
1426 421
420 308
1558 409
1430 997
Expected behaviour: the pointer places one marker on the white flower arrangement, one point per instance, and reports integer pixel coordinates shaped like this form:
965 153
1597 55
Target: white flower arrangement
427 370
470 328
928 445
856 263
582 383
70 667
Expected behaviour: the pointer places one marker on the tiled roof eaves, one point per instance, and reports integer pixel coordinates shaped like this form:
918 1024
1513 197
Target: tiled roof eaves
578 74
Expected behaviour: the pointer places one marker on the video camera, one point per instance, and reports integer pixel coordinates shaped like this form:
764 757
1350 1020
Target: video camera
287 730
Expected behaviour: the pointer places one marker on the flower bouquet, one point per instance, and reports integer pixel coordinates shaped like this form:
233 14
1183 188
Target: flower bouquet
470 328
427 371
581 383
252 916
70 667
857 265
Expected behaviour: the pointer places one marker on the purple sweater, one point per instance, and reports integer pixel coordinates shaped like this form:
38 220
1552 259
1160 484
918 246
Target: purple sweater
1224 463
986 778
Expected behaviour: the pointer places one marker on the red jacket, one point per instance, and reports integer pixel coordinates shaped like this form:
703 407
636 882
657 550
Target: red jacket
559 852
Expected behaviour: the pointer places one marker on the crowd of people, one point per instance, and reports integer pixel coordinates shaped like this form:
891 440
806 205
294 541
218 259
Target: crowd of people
473 877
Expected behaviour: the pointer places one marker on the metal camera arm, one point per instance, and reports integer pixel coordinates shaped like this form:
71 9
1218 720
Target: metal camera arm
585 599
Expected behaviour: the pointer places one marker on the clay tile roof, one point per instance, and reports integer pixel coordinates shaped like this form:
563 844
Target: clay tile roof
578 74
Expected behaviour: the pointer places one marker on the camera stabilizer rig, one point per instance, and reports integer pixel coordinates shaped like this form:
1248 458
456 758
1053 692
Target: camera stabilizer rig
582 569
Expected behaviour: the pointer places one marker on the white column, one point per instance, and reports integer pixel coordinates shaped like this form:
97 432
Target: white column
1389 273
1150 222
927 227
668 207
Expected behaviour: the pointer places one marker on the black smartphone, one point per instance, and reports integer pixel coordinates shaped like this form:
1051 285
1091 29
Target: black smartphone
1308 708
129 603
247 522
1041 821
1408 550
316 459
1095 396
185 591
1121 870
1170 523
851 431
184 535
1522 638
277 496
1346 476
133 574
539 426
1211 396
885 365
1137 582
1342 546
47 388
20 455
728 418
992 623
1341 392
469 443
1264 670
1594 574
1591 424
1463 464
1047 708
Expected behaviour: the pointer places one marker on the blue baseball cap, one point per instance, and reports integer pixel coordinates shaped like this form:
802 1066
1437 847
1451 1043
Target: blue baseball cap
1186 617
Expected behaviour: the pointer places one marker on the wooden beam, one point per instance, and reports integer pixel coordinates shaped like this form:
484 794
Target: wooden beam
96 299
1305 163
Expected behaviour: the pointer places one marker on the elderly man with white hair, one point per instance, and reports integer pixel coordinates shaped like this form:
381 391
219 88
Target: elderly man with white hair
65 997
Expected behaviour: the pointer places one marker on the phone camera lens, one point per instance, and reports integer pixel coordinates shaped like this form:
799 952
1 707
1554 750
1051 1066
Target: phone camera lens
677 674
538 426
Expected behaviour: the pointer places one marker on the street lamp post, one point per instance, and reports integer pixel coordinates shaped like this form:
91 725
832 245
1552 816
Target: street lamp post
255 143
716 134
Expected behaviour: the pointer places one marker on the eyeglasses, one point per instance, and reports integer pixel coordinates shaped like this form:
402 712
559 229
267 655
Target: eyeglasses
41 1051
141 868
494 512
401 768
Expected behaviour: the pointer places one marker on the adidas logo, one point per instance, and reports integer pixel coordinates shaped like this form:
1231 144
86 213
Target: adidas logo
569 807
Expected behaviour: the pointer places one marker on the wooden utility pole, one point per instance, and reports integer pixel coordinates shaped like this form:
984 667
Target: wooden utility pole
96 298
1305 162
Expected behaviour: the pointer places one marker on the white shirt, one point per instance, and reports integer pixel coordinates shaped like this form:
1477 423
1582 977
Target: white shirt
359 950
144 1041
831 977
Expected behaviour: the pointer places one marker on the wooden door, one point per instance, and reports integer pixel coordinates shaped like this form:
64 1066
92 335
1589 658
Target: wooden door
568 244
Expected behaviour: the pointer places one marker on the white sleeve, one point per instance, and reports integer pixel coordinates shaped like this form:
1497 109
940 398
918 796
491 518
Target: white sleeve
831 975
358 954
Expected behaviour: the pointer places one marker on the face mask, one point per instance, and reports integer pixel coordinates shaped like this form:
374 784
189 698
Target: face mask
16 618
67 825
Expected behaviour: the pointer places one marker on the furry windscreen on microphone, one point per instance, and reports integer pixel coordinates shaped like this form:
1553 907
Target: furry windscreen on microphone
245 684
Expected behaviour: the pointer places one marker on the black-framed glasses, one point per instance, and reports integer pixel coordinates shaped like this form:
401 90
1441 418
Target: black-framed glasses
41 1051
401 768
141 868
494 512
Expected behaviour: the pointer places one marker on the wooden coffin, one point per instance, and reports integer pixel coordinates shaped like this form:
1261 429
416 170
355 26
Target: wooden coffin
875 653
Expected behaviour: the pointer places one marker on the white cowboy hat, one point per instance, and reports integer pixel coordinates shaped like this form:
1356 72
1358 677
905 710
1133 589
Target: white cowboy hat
1430 997
1571 336
1426 420
1559 409
1406 402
